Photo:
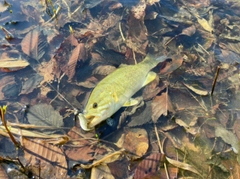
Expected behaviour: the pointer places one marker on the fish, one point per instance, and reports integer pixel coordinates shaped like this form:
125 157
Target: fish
115 91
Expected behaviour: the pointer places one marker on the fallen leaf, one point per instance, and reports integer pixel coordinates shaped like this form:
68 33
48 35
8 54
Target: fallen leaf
12 64
45 160
31 83
78 53
236 127
3 174
204 23
189 31
149 165
104 70
235 172
196 89
81 150
46 70
160 106
3 82
228 137
101 171
135 141
44 115
34 44
139 10
183 166
172 65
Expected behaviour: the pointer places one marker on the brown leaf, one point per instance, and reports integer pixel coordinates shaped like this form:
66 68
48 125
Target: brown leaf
104 70
44 115
31 83
189 31
33 44
196 89
152 89
236 127
89 83
136 141
160 106
79 53
235 173
47 159
6 80
46 70
83 149
12 64
173 65
149 165
3 174
182 165
139 10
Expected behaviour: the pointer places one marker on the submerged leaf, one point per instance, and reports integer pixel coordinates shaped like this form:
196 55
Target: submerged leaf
31 83
160 106
12 64
44 115
182 165
33 44
78 53
45 160
228 137
149 165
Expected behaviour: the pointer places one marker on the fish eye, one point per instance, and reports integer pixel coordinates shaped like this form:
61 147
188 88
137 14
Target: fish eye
95 105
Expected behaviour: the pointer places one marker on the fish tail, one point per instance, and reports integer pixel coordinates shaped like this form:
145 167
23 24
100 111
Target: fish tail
152 60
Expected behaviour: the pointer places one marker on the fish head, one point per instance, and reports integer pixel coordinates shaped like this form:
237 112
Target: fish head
100 106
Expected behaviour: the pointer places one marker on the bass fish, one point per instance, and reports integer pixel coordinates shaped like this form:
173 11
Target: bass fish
116 90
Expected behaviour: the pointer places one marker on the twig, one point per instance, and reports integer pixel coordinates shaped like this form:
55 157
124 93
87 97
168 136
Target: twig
102 160
161 149
215 79
120 30
2 114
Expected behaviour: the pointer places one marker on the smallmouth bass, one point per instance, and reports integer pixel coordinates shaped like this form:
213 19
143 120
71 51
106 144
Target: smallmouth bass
116 90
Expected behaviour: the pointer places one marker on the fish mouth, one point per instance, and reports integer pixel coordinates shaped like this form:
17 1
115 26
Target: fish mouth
88 122
84 122
93 121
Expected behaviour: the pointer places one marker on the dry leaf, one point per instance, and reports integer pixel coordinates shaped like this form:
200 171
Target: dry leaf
12 64
228 137
236 127
3 174
189 31
139 10
149 165
44 115
104 70
204 23
83 150
46 70
31 83
173 65
235 172
5 81
135 141
196 89
183 166
160 106
79 53
47 159
34 43
101 171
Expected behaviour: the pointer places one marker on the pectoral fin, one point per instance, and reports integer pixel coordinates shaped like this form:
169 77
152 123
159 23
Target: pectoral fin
150 77
131 102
